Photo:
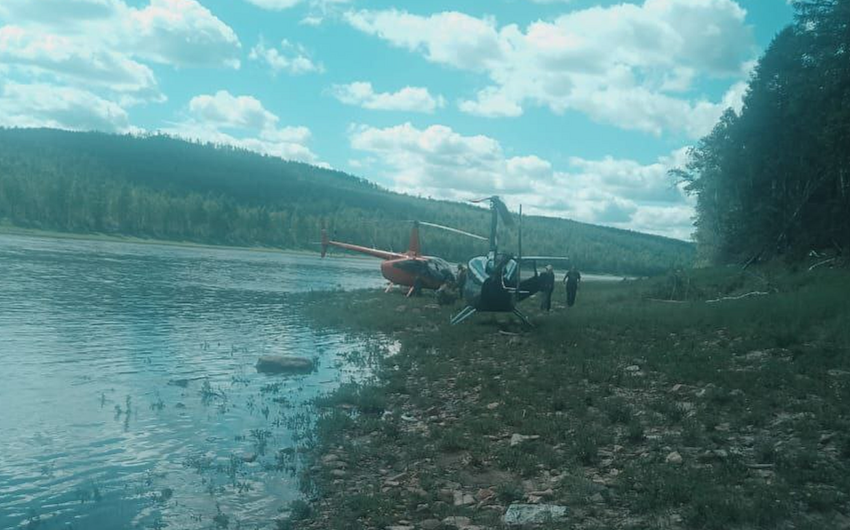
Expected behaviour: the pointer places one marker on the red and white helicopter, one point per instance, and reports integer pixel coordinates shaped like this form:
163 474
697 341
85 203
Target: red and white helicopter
410 269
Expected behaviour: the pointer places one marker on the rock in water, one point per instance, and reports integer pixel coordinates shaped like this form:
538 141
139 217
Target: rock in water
519 514
283 364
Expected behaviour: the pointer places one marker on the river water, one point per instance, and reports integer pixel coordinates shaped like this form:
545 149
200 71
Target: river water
128 394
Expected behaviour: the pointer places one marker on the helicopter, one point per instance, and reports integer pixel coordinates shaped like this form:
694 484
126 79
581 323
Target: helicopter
410 269
494 281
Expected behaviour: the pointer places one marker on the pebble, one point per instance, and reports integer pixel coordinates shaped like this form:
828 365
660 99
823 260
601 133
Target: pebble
674 458
457 521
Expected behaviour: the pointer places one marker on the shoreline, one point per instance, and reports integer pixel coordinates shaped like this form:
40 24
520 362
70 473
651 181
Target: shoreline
12 230
624 412
75 236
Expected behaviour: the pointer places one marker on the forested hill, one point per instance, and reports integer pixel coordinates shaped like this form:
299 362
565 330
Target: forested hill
165 188
775 179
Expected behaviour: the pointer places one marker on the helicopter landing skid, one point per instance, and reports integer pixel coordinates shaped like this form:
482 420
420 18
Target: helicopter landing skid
522 317
467 312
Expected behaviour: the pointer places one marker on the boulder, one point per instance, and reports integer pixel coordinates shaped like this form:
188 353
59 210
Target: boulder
284 364
520 514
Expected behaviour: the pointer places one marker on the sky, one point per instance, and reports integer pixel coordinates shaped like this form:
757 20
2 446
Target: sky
572 108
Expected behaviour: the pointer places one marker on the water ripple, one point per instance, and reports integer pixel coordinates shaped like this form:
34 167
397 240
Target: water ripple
129 397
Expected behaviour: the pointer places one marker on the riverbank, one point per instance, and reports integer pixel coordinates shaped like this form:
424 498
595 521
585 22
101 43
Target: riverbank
643 406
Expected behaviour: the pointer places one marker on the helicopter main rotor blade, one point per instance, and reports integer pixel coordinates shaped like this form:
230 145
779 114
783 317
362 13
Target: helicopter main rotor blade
504 213
455 230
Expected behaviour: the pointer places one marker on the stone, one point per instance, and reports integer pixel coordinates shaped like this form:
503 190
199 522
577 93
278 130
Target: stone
400 527
517 439
445 495
597 498
283 364
674 458
338 473
633 368
485 494
493 405
248 457
520 514
460 498
457 521
330 458
430 524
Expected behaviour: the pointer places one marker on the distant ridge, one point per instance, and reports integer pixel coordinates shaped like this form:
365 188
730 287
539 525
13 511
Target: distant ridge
161 187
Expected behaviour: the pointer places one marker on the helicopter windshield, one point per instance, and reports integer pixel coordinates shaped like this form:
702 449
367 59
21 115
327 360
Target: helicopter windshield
481 266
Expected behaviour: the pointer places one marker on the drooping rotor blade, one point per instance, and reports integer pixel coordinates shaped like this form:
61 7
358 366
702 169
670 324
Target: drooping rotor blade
476 201
504 213
455 230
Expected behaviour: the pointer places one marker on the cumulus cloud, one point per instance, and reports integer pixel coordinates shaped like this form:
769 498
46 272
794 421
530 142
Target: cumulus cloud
97 53
183 33
43 105
274 5
412 99
319 8
439 162
243 121
291 58
601 61
77 61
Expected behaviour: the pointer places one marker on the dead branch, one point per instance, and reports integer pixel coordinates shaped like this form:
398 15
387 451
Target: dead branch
739 297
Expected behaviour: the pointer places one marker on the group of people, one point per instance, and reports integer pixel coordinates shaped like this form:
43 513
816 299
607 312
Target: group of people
449 292
452 290
547 286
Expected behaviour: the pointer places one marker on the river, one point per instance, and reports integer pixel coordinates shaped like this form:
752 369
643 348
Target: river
128 394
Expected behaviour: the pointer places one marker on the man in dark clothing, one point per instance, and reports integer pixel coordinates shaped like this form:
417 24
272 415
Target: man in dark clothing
572 279
460 279
547 285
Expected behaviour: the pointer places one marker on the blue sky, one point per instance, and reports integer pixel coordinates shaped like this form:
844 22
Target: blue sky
574 108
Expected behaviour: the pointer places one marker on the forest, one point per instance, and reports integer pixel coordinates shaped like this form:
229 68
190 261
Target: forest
774 180
159 187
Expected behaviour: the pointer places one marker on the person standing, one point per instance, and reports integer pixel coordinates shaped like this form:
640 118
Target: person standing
572 279
547 285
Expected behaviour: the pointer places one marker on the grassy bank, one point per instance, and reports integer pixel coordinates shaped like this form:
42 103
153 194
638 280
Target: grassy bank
641 407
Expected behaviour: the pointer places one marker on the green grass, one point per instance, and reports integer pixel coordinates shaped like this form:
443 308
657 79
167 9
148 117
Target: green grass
760 416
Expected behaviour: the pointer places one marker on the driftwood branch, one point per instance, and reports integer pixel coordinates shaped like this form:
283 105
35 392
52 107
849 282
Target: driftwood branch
739 297
824 262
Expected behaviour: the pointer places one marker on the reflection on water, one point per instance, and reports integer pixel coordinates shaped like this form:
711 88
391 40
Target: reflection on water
128 394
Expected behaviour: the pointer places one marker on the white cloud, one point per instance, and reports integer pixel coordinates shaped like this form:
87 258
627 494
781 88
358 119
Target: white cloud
625 64
318 6
43 105
88 58
449 38
412 99
274 5
183 33
74 60
439 162
242 121
291 58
